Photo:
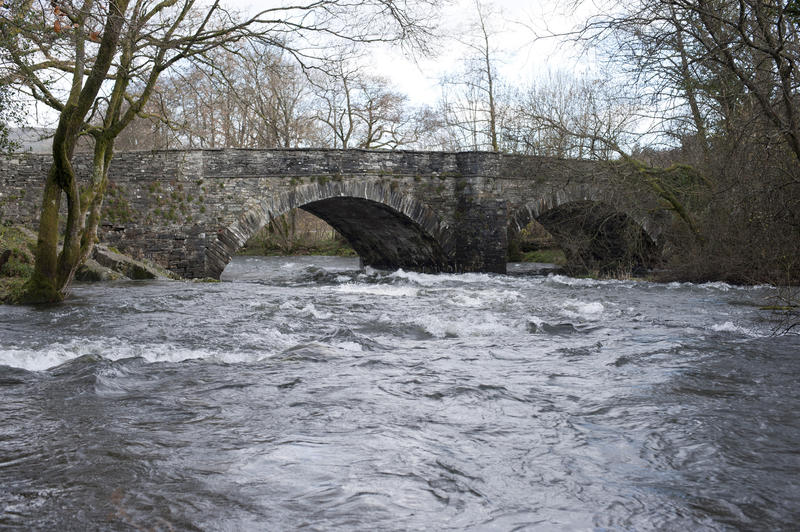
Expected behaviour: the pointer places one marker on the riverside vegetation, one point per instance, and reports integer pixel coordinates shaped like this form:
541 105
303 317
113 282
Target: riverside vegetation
17 246
17 252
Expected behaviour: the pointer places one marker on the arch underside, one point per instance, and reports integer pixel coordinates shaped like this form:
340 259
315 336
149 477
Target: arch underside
387 229
594 236
382 237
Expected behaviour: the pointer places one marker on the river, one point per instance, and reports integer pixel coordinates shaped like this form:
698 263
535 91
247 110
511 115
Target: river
302 393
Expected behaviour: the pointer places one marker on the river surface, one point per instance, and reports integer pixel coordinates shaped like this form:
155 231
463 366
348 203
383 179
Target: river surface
302 393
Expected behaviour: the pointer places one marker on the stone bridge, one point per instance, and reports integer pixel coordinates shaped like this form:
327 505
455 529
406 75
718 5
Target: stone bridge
191 211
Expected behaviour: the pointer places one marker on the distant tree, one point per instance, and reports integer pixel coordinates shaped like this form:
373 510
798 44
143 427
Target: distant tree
359 110
249 98
10 113
570 116
470 103
11 109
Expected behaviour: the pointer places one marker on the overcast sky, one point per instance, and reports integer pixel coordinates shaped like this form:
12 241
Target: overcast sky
521 58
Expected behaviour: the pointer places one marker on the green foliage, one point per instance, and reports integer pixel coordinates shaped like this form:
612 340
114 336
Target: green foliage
21 244
550 256
297 233
11 289
116 209
15 267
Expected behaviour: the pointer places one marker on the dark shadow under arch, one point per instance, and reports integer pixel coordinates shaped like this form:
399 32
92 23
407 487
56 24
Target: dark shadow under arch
594 236
382 237
388 229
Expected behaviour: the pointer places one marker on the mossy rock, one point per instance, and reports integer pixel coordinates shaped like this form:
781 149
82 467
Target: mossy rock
128 267
92 271
17 246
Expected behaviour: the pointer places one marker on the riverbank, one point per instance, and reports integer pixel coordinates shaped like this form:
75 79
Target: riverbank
17 248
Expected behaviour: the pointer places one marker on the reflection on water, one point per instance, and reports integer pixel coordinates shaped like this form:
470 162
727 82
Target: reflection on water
304 393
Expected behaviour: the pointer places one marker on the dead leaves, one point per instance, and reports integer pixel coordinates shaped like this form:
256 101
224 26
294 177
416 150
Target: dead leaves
62 22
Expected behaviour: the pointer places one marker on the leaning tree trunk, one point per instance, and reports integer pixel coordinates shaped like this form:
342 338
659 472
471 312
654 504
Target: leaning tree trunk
94 202
53 272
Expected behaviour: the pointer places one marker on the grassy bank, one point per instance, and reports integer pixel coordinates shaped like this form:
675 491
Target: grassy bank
330 247
549 256
17 246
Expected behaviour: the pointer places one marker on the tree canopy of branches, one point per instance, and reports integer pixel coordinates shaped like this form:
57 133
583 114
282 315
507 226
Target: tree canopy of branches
355 109
11 109
710 63
97 63
719 83
251 98
470 106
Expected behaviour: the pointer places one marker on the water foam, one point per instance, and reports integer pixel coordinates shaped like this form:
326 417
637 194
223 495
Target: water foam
587 310
729 326
445 328
484 298
377 290
311 311
250 347
430 279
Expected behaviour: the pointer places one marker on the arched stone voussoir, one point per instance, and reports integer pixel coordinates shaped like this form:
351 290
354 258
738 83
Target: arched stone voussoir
423 227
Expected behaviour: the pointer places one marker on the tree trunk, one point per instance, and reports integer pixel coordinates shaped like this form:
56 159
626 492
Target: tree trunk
42 286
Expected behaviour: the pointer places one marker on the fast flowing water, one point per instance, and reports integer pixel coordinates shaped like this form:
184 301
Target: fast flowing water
306 394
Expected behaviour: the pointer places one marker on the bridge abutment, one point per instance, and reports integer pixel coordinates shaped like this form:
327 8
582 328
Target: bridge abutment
480 235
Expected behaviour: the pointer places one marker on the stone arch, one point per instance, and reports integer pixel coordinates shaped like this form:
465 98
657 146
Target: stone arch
592 233
397 231
533 210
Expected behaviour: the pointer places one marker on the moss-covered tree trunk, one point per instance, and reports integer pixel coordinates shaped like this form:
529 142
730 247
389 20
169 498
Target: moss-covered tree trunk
54 271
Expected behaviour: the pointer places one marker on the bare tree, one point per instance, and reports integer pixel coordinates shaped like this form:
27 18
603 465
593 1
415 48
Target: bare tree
97 65
570 116
336 105
358 109
250 98
469 102
704 63
722 81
